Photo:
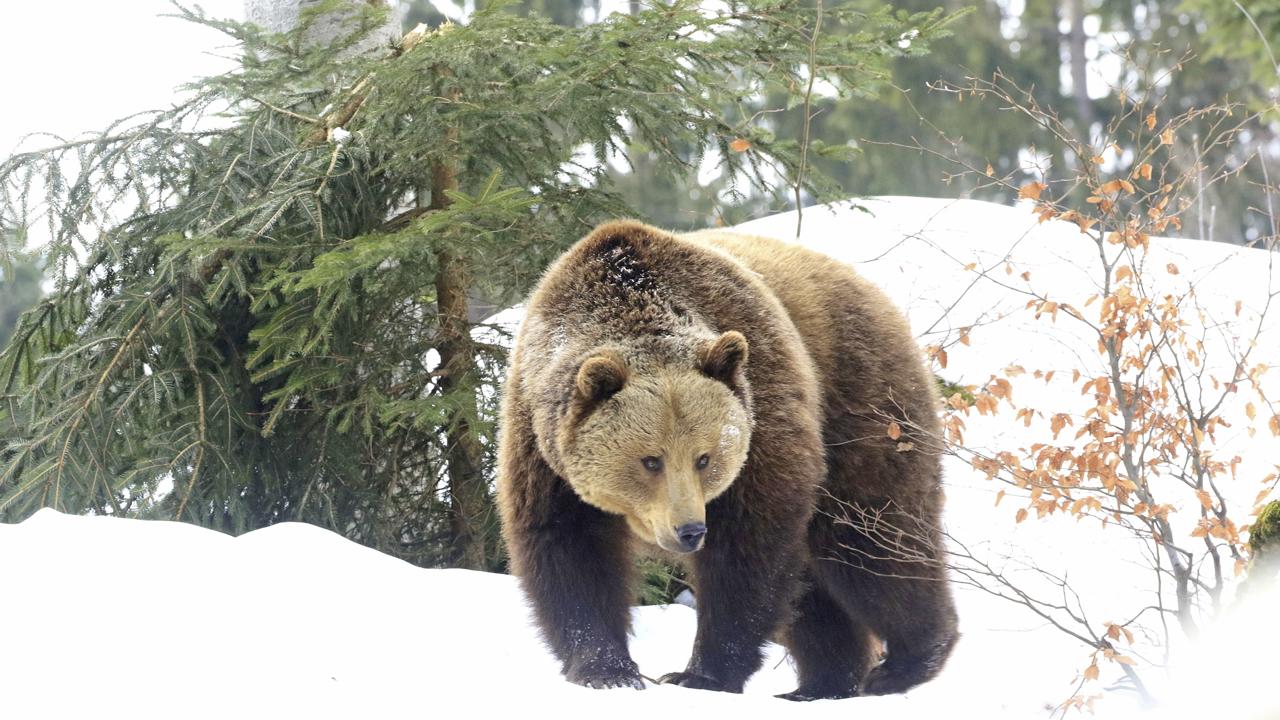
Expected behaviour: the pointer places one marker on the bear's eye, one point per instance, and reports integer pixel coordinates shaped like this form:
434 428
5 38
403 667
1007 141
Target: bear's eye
651 463
703 461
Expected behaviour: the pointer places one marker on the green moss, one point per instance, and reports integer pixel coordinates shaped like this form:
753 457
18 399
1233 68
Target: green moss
947 388
1264 533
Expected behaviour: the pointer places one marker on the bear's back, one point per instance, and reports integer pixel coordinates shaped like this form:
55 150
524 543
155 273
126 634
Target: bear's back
860 343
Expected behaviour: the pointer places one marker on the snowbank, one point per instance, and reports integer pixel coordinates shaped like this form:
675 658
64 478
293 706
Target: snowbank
294 621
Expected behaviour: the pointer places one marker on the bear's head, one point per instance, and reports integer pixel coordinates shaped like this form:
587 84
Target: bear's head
655 445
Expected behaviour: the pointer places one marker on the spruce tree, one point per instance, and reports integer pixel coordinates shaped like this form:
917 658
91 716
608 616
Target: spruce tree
261 301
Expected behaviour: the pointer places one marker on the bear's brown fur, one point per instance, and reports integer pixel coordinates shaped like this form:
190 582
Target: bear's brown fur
660 382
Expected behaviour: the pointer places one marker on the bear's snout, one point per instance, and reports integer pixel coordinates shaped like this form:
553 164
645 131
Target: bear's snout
691 536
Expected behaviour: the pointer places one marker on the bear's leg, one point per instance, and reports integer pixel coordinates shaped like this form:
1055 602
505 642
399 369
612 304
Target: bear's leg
832 653
918 645
745 580
576 572
574 563
890 576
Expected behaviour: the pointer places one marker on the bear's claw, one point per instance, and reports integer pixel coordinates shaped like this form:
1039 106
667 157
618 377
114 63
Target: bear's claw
609 683
693 680
606 675
803 695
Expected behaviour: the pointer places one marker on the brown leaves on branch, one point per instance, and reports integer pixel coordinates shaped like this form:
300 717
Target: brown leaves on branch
1134 440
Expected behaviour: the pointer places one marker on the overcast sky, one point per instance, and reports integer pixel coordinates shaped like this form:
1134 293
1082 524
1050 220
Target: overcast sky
67 66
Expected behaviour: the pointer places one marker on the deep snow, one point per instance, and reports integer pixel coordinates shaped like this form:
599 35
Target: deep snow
294 621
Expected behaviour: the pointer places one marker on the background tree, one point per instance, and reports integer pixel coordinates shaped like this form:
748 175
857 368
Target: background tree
1245 31
19 290
1080 57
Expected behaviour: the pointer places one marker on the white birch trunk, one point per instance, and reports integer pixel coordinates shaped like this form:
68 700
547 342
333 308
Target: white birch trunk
282 16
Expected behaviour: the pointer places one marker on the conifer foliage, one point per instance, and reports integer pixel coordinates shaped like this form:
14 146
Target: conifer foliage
261 310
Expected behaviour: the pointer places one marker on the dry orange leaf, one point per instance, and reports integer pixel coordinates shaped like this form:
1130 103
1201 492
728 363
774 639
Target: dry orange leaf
1111 187
1151 121
1031 191
1166 137
894 431
740 145
1173 269
1085 223
1205 501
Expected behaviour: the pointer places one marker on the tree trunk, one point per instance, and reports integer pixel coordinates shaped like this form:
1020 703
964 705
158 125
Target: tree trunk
470 506
468 491
283 15
1079 71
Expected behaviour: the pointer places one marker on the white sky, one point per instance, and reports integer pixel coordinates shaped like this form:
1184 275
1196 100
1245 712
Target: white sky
75 65
68 66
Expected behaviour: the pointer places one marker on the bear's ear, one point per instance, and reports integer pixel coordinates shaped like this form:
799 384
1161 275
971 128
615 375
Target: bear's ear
722 358
600 376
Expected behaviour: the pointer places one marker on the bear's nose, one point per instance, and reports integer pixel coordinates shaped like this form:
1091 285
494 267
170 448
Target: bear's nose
691 535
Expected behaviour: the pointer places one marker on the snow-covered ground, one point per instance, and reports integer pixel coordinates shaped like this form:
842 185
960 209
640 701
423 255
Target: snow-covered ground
294 621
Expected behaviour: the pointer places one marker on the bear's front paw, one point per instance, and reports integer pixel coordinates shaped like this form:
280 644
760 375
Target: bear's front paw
696 681
605 673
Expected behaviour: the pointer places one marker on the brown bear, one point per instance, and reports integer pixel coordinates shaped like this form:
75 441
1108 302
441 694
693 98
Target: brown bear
754 409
